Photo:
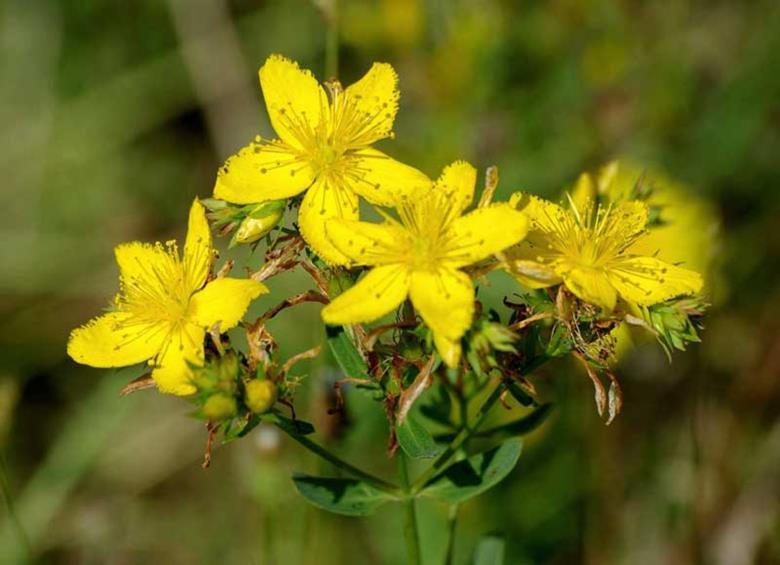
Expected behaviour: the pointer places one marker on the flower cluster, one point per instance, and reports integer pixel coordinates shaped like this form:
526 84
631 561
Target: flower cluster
583 268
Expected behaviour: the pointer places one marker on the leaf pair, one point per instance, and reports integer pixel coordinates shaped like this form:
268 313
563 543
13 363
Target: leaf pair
459 482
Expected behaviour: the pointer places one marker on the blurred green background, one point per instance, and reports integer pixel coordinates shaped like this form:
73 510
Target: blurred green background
114 115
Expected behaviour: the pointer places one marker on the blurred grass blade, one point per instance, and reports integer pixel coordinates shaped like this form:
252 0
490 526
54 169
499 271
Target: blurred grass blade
490 551
69 459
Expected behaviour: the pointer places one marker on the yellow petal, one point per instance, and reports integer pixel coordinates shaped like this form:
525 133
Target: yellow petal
584 193
380 291
198 252
365 243
456 184
149 273
591 285
449 349
522 262
445 300
646 280
374 100
263 171
224 301
172 370
543 214
294 99
114 340
483 232
632 219
382 180
323 202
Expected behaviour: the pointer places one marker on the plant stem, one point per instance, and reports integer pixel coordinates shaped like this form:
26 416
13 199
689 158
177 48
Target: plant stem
5 486
452 522
331 14
410 516
317 449
465 433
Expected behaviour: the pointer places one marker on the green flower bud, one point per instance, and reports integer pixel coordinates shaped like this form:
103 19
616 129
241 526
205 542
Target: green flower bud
260 395
261 220
227 367
219 407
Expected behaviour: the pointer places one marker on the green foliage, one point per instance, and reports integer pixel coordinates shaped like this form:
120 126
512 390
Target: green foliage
415 439
345 353
470 477
675 322
519 427
341 496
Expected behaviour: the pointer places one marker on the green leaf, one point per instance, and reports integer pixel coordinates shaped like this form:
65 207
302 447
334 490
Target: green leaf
490 551
238 429
415 439
476 474
520 395
345 352
519 427
341 496
294 427
438 407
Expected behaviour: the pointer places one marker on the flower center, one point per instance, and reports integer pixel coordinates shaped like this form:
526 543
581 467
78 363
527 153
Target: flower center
326 157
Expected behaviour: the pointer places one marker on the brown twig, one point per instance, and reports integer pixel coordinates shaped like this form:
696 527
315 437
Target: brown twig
280 260
308 354
225 269
421 383
598 386
212 433
530 320
316 275
373 335
308 296
141 383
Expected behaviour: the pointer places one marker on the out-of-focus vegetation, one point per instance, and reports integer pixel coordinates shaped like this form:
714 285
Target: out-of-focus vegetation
113 115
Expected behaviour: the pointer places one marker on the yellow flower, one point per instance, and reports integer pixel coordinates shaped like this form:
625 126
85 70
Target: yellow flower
163 309
323 146
421 257
589 249
687 230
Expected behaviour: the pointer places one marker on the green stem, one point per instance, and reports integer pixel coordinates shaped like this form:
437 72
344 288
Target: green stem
5 486
410 516
332 40
336 461
452 522
465 433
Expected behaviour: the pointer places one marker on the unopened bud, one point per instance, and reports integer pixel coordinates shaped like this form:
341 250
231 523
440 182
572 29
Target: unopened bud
259 222
227 367
260 395
219 407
